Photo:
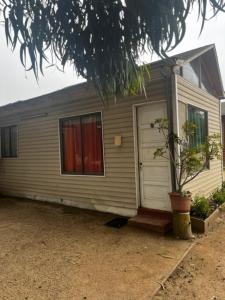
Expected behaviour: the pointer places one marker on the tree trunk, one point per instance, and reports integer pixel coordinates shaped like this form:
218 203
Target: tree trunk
182 225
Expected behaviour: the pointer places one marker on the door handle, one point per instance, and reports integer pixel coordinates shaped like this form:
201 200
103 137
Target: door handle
140 164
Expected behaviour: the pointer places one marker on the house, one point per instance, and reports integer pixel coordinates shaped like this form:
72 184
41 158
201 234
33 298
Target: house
67 147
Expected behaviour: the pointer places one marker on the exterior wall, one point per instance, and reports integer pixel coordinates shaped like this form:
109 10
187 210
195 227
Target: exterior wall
36 174
222 108
210 179
223 137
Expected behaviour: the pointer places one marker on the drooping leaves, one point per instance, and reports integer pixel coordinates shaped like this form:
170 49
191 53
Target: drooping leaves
103 39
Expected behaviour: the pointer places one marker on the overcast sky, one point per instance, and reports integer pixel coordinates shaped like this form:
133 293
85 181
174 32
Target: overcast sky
16 84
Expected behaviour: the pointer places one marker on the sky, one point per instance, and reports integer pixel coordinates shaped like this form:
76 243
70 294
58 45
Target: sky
17 84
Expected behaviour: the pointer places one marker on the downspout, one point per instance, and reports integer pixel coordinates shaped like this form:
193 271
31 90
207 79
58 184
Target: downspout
174 113
221 137
172 109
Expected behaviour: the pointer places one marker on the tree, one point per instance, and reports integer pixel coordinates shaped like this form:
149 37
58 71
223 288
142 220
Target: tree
103 39
188 161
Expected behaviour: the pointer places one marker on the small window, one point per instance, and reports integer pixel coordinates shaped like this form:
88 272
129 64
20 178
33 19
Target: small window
191 72
9 141
200 118
197 73
81 145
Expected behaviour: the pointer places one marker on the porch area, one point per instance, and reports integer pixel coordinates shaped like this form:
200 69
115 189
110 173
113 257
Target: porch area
57 252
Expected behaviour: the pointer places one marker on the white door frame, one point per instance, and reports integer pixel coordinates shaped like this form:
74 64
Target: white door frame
136 148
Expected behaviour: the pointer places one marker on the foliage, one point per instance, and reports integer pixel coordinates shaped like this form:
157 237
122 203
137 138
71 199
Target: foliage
188 162
219 196
201 207
103 39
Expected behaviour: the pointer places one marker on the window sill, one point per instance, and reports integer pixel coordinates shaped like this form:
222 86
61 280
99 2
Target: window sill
14 157
82 175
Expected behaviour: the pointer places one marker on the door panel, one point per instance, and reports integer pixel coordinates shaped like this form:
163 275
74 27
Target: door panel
155 180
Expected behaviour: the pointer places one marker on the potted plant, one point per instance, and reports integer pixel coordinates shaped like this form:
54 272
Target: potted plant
188 162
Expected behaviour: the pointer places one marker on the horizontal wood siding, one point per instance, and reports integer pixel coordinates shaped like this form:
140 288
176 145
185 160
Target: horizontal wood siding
210 179
36 172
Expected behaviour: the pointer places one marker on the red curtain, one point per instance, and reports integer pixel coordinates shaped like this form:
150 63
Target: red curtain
72 146
82 145
92 144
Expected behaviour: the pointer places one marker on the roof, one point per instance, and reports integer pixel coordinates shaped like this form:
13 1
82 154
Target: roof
192 54
210 55
181 59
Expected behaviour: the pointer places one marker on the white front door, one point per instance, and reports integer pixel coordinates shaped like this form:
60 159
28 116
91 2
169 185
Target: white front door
154 174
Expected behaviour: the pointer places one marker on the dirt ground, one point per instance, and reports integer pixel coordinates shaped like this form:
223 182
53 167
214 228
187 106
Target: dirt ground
202 273
56 252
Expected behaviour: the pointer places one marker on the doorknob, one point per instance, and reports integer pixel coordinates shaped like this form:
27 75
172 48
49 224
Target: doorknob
140 164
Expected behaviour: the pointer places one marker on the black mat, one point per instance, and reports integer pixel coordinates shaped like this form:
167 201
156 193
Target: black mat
117 222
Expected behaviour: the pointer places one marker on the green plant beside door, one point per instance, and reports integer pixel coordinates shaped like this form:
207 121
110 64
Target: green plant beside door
188 162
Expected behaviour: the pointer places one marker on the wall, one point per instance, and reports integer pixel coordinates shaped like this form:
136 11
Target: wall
36 174
210 179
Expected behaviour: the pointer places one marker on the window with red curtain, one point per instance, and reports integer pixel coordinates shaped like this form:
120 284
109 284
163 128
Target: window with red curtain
81 145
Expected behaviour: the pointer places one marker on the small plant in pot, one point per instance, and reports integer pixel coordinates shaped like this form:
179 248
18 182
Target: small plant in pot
188 162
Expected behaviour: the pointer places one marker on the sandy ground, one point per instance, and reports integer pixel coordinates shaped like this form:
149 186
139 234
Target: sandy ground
202 273
55 252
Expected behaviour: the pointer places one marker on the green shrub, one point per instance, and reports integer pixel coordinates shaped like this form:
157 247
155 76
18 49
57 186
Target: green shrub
200 207
223 185
219 196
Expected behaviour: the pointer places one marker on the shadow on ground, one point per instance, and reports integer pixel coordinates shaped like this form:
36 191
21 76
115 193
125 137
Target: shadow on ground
56 252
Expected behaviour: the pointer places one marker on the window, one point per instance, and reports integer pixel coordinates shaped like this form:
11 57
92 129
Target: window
191 72
9 141
81 145
199 118
197 73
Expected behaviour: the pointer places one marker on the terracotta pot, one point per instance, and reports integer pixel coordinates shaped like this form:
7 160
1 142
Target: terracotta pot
180 203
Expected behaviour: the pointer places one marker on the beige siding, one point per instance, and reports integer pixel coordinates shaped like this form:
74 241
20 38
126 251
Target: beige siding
209 180
36 172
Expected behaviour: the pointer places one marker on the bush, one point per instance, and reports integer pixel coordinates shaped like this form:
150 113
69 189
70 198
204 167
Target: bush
219 196
200 207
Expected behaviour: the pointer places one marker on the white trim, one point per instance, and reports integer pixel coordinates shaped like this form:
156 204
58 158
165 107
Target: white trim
136 155
103 145
176 105
136 148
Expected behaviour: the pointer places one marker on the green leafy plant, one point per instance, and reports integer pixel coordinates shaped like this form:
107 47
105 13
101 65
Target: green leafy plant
219 196
188 161
223 185
200 207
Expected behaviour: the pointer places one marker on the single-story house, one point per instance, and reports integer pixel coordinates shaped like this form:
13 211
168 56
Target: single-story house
67 147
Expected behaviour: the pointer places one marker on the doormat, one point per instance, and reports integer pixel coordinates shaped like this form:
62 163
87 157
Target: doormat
117 222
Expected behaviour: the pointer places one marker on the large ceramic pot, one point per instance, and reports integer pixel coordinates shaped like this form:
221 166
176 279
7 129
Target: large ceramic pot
180 203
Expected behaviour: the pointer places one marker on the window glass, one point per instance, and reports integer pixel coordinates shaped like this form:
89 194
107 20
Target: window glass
81 141
92 144
191 72
206 85
71 132
13 141
9 141
199 118
196 73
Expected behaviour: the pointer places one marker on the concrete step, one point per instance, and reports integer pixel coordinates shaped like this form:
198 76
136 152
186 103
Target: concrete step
153 220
